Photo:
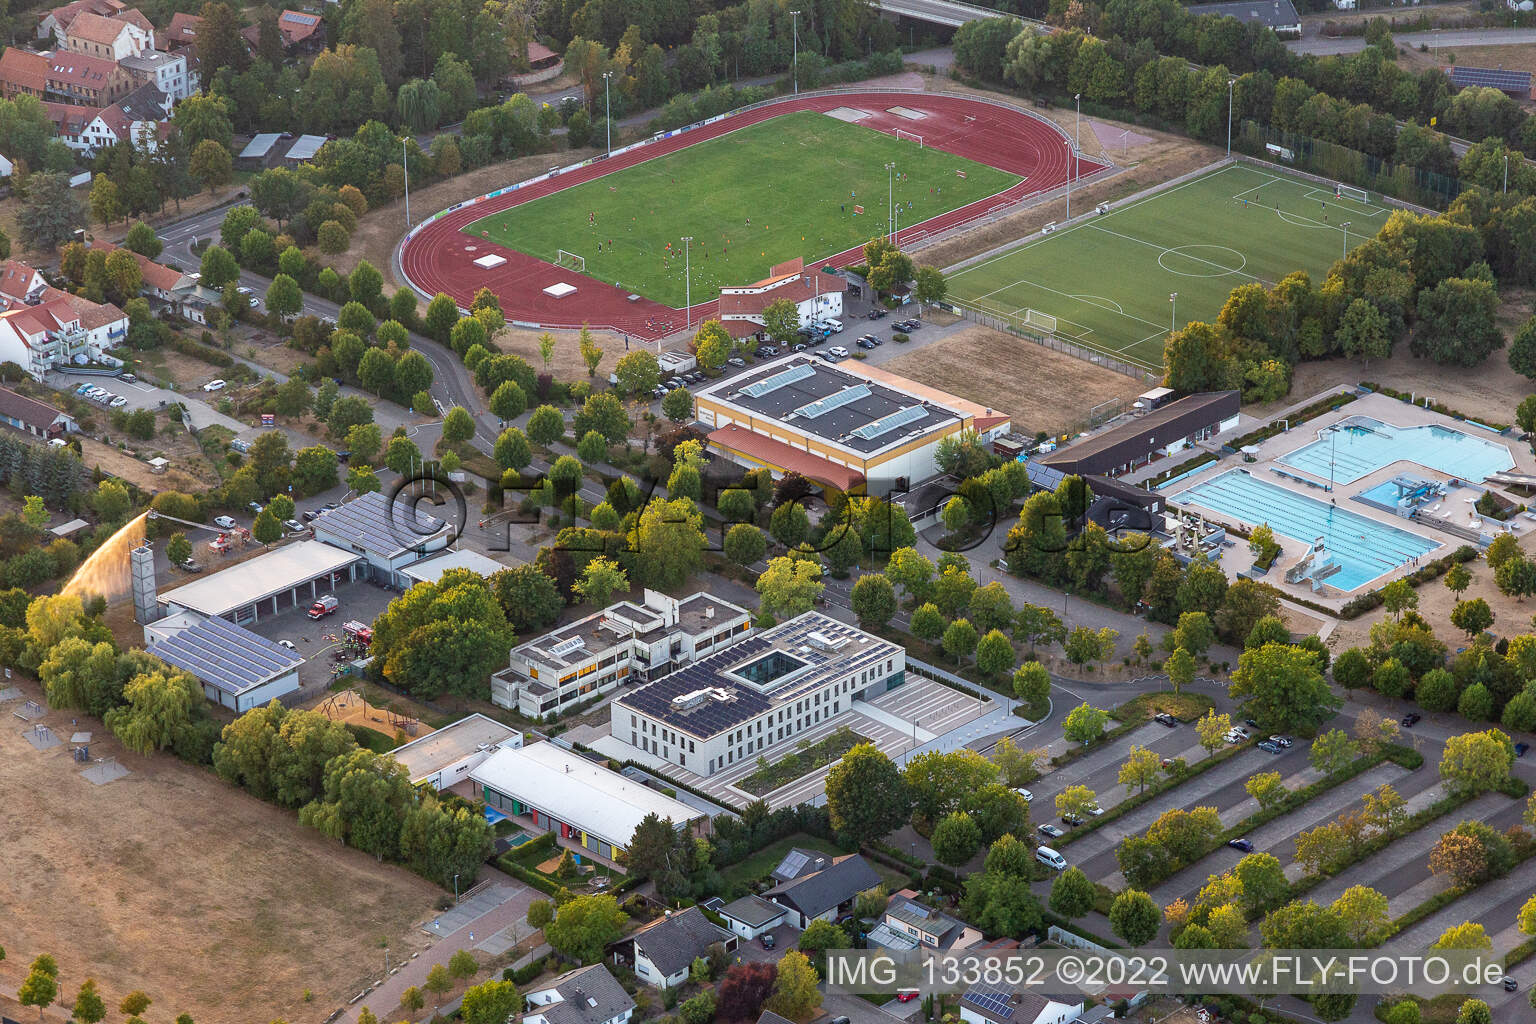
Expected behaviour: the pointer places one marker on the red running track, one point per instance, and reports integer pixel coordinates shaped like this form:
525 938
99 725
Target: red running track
440 258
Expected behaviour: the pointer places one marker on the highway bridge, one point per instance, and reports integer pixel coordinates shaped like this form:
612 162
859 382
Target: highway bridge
944 12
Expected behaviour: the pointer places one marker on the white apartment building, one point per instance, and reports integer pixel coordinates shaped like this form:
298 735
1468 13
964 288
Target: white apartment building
549 674
757 694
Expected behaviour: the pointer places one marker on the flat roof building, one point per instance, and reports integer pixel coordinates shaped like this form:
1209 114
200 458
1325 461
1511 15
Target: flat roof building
625 641
304 149
843 425
285 577
430 570
260 152
447 756
1166 430
387 531
757 694
558 790
237 669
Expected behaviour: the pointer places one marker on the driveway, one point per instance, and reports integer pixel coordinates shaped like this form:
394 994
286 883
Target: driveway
146 396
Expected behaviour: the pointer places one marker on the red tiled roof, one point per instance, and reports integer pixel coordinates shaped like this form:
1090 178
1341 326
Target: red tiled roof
297 26
66 14
156 275
788 280
133 17
24 70
92 314
79 69
537 51
778 455
68 118
94 28
183 29
16 278
114 118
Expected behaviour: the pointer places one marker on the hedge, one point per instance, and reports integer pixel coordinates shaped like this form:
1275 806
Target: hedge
523 975
1430 571
1151 793
1274 427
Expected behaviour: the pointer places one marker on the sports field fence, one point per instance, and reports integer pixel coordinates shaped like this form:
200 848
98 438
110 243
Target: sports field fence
1331 164
1139 371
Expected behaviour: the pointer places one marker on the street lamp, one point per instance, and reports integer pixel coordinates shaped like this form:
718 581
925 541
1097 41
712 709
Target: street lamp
1230 82
455 887
608 110
794 24
688 281
406 167
1077 131
1173 317
1345 228
890 199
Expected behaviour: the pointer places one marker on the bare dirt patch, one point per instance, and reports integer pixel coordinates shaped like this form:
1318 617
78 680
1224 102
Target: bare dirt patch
1514 57
1039 388
189 470
172 882
272 352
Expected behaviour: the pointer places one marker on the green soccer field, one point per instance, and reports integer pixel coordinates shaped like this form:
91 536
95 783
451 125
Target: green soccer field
797 178
1107 279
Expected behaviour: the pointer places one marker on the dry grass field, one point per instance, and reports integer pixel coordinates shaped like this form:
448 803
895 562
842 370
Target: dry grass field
172 882
1039 388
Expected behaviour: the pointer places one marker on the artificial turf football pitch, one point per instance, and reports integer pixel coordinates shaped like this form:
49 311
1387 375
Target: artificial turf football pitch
750 199
1107 279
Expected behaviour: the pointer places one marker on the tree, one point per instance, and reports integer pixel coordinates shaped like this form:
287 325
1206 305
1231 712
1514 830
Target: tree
89 1007
412 999
955 839
1332 752
929 286
789 586
1364 332
490 1002
1194 633
744 989
439 982
1363 912
1212 730
994 653
781 319
591 351
677 406
960 640
106 203
795 991
584 925
1134 917
1180 667
159 708
1456 322
1084 724
600 580
211 165
463 965
1467 935
1072 894
40 988
267 529
1282 687
603 413
1398 596
1140 769
745 544
873 598
458 425
928 622
50 213
141 239
1266 788
218 267
638 372
867 797
1474 1011
712 345
284 297
1032 683
1475 762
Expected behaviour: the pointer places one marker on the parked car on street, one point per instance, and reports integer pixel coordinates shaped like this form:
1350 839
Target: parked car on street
1240 844
1164 718
1050 831
224 522
1411 719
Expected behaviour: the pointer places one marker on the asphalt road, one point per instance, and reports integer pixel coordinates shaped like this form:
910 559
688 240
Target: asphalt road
1323 46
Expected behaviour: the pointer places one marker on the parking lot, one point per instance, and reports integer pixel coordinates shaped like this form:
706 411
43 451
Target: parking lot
140 395
318 639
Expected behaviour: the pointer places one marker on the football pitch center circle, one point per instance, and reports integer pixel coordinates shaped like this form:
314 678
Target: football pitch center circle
1201 260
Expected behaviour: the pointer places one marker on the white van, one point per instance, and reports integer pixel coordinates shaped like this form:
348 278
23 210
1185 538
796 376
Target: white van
835 326
1050 858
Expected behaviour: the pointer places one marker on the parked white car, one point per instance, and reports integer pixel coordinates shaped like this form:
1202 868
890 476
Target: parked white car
214 385
224 522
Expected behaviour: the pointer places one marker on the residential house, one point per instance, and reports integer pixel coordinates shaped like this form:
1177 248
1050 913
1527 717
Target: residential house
587 995
817 294
181 34
33 417
39 338
23 73
105 325
751 916
995 1005
663 951
125 33
171 73
824 892
136 118
908 924
180 291
70 123
19 284
302 32
54 23
89 81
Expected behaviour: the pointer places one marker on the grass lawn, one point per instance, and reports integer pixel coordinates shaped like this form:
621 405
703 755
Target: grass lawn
1201 239
750 199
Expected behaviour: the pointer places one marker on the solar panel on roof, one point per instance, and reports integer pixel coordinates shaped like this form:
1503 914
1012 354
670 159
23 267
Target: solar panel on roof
565 647
994 1000
837 400
1492 78
888 423
792 864
768 385
301 19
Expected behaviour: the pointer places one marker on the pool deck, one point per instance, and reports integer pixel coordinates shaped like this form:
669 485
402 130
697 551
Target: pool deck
1237 559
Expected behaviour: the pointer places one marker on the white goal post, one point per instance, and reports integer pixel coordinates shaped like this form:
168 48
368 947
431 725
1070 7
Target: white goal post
1350 192
571 260
1043 321
902 133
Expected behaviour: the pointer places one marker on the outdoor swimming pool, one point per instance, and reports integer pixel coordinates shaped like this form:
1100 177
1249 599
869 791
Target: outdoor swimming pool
1362 548
1355 451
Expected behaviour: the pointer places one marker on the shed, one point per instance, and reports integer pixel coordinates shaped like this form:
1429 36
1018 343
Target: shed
260 152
